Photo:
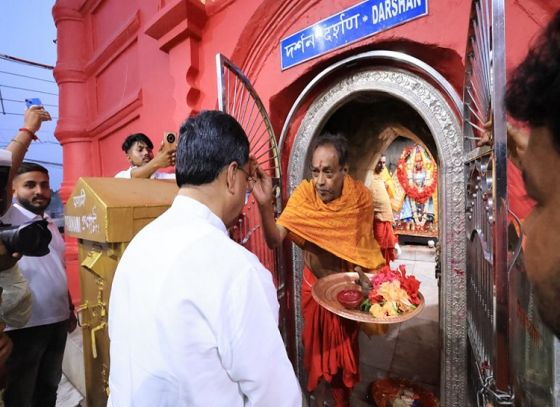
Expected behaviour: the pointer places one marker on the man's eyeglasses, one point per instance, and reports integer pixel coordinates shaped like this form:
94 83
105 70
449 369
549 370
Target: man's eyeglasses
250 180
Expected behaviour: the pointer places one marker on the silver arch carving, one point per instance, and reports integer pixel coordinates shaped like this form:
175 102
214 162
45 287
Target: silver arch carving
444 125
379 55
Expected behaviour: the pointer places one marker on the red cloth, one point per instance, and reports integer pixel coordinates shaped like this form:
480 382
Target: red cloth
383 232
331 348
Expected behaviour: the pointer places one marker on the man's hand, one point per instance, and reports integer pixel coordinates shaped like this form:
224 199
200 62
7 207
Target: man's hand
7 259
5 345
34 116
517 142
486 138
165 156
262 190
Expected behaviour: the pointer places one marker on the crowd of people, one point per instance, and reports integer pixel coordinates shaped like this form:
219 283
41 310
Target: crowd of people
204 331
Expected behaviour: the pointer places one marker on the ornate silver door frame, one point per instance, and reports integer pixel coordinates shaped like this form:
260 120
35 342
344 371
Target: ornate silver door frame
433 106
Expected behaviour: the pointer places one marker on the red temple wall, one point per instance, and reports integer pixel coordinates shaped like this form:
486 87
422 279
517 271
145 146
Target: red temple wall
145 65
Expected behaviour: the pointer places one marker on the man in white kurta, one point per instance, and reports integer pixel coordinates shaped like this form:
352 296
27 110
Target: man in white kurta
193 316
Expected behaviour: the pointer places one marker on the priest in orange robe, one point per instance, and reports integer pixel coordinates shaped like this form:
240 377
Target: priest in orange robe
331 218
383 212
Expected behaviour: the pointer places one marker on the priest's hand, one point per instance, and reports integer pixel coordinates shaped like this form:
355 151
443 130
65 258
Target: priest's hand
262 190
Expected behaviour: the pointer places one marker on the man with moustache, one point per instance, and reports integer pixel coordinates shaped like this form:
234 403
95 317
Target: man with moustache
331 218
35 365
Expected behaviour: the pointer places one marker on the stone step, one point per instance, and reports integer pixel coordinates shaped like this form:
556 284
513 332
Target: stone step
417 253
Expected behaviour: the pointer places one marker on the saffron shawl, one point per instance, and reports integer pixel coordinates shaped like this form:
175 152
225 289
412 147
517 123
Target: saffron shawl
343 227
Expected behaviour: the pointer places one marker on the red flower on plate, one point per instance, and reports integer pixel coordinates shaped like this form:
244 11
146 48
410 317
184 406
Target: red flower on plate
409 283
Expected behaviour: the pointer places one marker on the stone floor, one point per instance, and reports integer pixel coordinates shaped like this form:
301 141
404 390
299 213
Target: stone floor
409 350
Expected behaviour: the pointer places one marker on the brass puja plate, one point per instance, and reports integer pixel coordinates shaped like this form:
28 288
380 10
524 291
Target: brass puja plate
326 289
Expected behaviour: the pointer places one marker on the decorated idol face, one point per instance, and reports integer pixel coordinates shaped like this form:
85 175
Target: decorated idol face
327 174
542 226
418 164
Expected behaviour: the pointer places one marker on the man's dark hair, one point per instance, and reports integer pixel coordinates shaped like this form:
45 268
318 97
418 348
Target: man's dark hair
133 138
533 92
26 167
209 142
338 141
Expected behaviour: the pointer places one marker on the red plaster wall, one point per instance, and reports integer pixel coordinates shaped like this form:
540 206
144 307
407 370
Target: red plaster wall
145 65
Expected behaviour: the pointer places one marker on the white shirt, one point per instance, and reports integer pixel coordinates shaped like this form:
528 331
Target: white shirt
155 175
193 319
46 275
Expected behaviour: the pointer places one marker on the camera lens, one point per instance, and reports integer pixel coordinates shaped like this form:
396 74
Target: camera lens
170 138
30 239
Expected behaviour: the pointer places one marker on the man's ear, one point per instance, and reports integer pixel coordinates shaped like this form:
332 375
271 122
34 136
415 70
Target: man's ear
230 176
345 169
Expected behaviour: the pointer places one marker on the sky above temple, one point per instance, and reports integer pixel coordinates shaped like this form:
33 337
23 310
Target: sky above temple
27 31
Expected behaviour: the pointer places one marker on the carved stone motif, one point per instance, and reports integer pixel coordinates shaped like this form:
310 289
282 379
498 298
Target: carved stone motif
443 125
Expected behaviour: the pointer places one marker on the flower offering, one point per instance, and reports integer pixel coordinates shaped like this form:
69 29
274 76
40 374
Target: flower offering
393 293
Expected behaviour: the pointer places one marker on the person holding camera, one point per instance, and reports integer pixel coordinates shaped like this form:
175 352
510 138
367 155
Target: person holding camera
35 366
143 164
15 296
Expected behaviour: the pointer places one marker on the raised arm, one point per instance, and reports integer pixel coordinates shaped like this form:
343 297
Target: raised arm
32 120
262 191
165 157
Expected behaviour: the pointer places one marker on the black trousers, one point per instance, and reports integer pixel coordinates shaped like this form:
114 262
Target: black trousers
35 365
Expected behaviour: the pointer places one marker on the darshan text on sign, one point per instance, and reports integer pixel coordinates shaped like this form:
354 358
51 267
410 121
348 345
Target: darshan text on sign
352 24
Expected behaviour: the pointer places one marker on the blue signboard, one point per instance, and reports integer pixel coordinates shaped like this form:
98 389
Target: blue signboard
353 24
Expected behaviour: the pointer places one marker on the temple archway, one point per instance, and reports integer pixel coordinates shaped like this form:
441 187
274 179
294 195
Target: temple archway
442 131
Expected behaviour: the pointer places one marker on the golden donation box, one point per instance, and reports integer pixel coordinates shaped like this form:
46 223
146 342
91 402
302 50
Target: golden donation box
105 214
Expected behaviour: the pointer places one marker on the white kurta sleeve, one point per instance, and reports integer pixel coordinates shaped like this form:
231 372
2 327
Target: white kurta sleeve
123 174
256 357
163 175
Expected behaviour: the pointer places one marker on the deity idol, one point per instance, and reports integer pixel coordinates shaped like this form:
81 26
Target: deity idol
417 175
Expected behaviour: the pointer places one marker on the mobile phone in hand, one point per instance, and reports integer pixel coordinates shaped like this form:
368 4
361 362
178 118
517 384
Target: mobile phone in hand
170 139
33 102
